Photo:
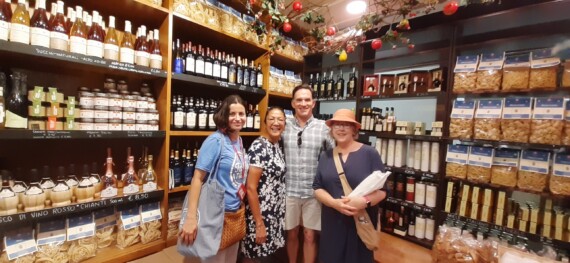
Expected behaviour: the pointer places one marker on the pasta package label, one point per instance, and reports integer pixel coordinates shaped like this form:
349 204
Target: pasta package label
535 161
457 154
130 217
491 61
463 109
466 64
150 212
105 218
549 109
567 113
79 227
517 108
561 165
517 61
51 232
481 156
489 109
506 157
543 58
19 243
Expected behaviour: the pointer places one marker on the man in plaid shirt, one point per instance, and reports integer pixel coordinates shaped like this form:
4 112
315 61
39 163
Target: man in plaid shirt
304 139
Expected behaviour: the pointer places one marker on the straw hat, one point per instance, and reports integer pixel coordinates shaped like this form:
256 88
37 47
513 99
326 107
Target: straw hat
344 115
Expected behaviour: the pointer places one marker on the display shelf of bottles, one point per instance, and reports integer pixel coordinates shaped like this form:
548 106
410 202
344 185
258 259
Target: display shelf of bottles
390 135
281 95
72 60
409 204
510 145
37 134
422 242
216 83
403 95
137 11
115 254
26 217
179 189
411 171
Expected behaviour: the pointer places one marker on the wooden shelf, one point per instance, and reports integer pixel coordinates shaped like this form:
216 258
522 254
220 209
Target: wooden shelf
408 204
179 189
422 242
510 145
207 133
279 95
283 61
390 135
40 135
52 58
405 95
114 254
404 51
171 242
215 84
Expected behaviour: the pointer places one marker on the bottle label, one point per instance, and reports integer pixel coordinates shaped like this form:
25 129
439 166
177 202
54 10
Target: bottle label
142 58
191 120
4 30
178 119
211 122
200 66
208 69
131 189
202 119
111 52
78 45
20 243
20 33
155 61
95 48
217 70
13 120
58 41
18 188
150 186
34 190
94 179
127 55
109 192
190 64
40 37
5 193
2 113
224 72
259 80
257 123
249 121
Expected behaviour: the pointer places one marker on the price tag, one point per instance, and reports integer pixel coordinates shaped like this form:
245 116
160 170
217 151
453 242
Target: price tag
131 218
19 243
79 227
150 212
51 232
105 218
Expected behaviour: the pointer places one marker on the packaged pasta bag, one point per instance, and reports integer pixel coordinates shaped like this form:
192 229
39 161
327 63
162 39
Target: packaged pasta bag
105 224
566 75
515 121
566 131
19 246
51 240
534 170
81 235
457 157
479 164
544 70
174 215
560 178
465 77
547 121
128 231
516 72
505 167
150 222
461 123
488 119
489 72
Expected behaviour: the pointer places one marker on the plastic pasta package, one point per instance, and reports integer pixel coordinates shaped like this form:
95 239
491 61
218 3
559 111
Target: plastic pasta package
464 82
82 249
53 253
515 79
478 174
566 133
461 128
543 78
504 175
546 131
452 247
560 185
532 181
515 130
127 238
30 258
150 231
488 80
456 170
566 75
173 229
105 237
488 129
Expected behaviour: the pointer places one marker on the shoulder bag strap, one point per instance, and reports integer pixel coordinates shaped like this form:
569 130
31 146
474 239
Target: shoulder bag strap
218 158
345 186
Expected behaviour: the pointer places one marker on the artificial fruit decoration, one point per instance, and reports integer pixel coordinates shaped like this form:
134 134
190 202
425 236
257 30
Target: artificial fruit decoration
411 46
331 30
349 49
343 56
287 27
404 24
297 6
376 43
450 8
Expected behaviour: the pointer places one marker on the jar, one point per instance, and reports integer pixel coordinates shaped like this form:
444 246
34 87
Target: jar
86 113
115 113
431 194
145 88
425 156
129 114
115 100
129 101
399 154
141 103
152 115
101 112
128 125
418 155
410 188
55 124
86 124
141 115
391 152
420 226
101 125
109 84
430 228
122 85
141 125
86 98
101 99
153 125
37 123
151 102
411 154
420 194
434 158
115 125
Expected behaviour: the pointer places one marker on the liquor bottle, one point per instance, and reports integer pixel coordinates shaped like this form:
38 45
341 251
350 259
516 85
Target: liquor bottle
246 71
385 122
249 118
179 114
352 84
111 47
378 124
126 51
259 76
202 116
2 100
339 87
142 56
16 106
85 189
39 31
5 20
330 86
208 64
72 178
316 86
20 27
232 71
217 66
155 53
239 71
52 12
223 67
58 35
137 40
110 179
176 167
323 86
363 117
142 163
130 178
70 19
256 119
310 80
187 167
34 197
61 192
199 68
191 115
95 178
78 34
47 183
95 38
149 177
190 62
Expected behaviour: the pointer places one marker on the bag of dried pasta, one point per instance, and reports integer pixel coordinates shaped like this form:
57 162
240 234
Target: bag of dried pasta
534 170
544 70
128 231
150 229
456 158
516 72
465 77
515 121
174 214
488 119
20 246
547 121
479 164
489 72
105 223
51 239
566 131
81 235
560 178
461 123
505 167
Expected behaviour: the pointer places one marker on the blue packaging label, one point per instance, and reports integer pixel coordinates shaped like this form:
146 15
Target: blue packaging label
19 243
535 161
517 108
481 156
543 58
51 232
561 166
463 109
466 64
79 227
517 60
130 217
491 61
489 109
150 212
549 109
506 157
105 218
457 154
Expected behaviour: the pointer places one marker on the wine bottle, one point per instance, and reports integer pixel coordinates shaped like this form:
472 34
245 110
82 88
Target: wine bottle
2 100
16 106
142 56
95 178
190 61
340 87
149 177
155 54
259 81
85 189
129 178
256 119
316 86
95 38
8 198
177 169
208 64
245 68
232 73
39 31
188 170
199 68
34 197
5 20
72 178
217 66
330 86
61 192
127 52
179 114
223 67
110 179
352 84
190 115
47 183
210 112
202 116
323 86
111 46
249 118
77 35
239 71
52 13
59 38
20 24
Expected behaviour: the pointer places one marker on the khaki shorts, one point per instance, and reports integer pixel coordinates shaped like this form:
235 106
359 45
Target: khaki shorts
308 209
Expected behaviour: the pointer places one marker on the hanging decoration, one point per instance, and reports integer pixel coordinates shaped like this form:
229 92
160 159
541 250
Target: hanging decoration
450 8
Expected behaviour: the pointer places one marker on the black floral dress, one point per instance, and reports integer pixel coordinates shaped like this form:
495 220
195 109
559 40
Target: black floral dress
271 192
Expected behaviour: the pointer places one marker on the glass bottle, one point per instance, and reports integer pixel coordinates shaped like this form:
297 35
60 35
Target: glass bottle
190 115
155 54
149 177
232 73
330 86
2 100
178 60
130 178
61 192
46 183
199 68
316 85
202 116
70 20
239 71
352 84
246 71
208 64
340 87
127 52
252 75
95 178
95 38
39 31
188 168
177 169
111 46
20 27
8 199
190 61
34 198
16 106
85 189
223 67
142 56
59 38
52 13
249 117
78 34
5 20
19 186
256 119
217 67
110 178
72 180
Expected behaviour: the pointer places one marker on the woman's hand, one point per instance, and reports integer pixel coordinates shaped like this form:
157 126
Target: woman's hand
357 202
189 231
342 205
260 234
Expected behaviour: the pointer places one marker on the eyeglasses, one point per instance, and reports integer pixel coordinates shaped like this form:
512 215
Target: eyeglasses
299 139
341 125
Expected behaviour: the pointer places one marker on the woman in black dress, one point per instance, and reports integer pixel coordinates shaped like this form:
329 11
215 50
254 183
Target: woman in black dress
339 240
265 205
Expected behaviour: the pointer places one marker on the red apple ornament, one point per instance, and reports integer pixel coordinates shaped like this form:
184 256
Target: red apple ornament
331 30
297 6
376 43
287 27
450 8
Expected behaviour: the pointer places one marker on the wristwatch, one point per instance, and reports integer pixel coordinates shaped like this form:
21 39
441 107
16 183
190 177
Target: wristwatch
367 201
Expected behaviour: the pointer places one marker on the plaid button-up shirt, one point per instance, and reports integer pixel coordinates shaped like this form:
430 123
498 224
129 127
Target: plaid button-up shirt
302 160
